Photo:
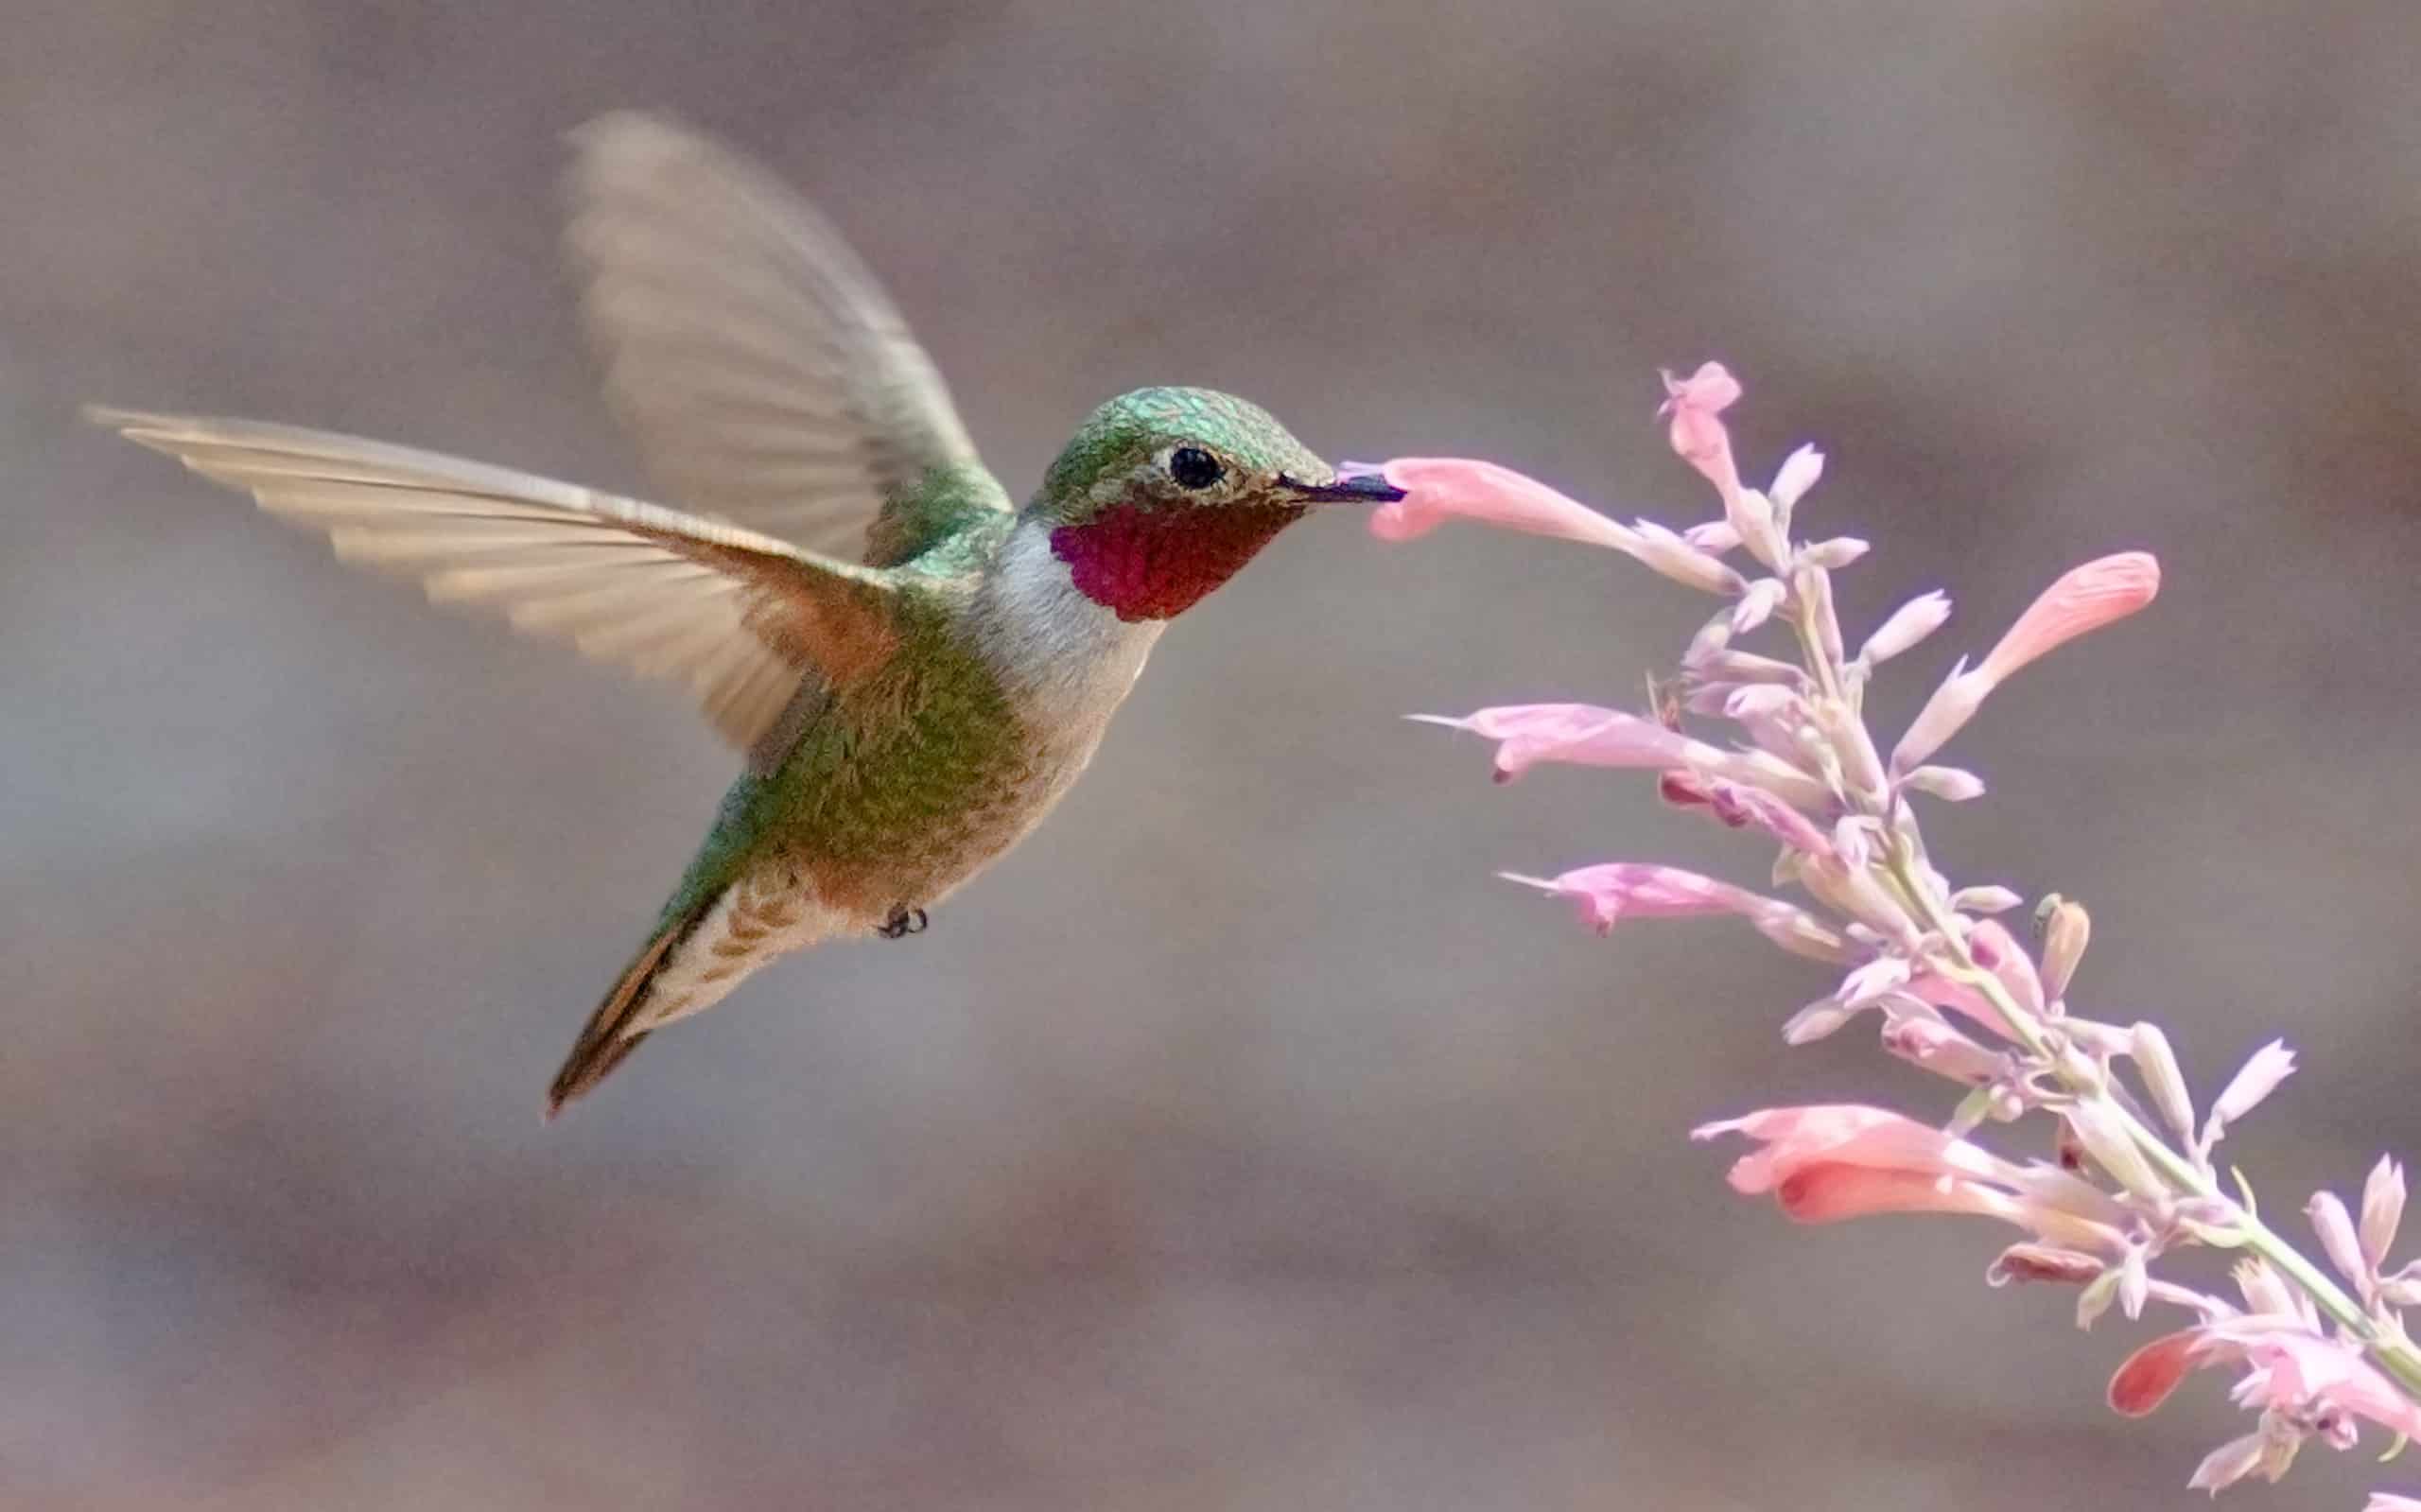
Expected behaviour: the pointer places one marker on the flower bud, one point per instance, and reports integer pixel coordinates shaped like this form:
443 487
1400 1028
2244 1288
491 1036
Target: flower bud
1994 900
2157 1065
2043 1262
2382 1211
2335 1228
2066 930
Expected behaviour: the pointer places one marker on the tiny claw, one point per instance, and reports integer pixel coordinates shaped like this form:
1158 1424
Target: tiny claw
902 923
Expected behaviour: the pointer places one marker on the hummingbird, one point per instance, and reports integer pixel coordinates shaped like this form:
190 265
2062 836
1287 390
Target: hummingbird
904 717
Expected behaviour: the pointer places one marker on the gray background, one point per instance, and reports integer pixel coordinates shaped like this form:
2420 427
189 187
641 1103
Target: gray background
1238 1142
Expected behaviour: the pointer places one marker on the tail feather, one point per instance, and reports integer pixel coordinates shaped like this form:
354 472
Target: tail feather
607 1039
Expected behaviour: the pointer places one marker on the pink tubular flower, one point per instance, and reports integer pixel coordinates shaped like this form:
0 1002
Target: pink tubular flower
1829 1162
2088 598
2298 1374
1438 489
1588 735
2099 593
1738 806
1618 889
1582 734
1695 405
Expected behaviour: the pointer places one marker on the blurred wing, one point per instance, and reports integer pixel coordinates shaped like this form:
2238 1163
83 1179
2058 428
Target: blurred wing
764 373
743 618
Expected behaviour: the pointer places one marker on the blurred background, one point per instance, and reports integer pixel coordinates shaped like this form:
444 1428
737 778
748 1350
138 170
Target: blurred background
1238 1141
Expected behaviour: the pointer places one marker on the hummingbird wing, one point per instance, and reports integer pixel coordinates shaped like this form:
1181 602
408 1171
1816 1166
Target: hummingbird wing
766 375
743 618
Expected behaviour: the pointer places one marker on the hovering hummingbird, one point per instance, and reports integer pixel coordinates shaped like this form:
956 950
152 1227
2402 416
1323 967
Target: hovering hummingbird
905 718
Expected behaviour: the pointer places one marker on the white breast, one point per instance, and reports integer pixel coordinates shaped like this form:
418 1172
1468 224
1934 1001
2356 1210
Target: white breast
1069 662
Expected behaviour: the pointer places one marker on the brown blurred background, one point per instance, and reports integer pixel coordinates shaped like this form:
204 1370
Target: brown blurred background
1238 1142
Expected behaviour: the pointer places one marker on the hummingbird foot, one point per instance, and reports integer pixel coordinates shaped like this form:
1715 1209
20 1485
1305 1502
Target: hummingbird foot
903 923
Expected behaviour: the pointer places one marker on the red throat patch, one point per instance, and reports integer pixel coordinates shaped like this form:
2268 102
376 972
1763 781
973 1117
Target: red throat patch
1146 563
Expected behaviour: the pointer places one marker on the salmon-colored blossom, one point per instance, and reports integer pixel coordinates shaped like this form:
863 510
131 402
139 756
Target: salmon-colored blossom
2302 1380
1438 489
1834 1161
2098 593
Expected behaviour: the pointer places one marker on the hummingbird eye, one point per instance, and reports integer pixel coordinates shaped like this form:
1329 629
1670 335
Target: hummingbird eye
1194 468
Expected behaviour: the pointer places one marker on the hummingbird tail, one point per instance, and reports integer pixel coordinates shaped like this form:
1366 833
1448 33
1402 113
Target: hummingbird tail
607 1039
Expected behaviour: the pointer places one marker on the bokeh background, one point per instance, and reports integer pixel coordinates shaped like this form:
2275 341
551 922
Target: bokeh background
1238 1142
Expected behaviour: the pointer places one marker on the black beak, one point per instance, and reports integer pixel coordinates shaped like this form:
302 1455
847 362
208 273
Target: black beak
1357 488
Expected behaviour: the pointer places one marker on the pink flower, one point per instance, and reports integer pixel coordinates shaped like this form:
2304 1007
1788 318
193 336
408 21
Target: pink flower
2295 1372
1618 889
1588 735
2088 598
1943 1050
2146 1378
1695 405
1737 805
2097 594
1438 489
1829 1162
1582 734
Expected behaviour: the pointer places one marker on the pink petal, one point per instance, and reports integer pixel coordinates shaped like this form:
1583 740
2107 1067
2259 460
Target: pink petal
1738 803
2154 1372
1695 405
2088 598
1438 489
1943 1050
1829 1191
2043 1262
1581 734
1846 1133
2303 1366
1618 889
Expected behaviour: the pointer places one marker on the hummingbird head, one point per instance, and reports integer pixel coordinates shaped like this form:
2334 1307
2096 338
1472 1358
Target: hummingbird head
1164 494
